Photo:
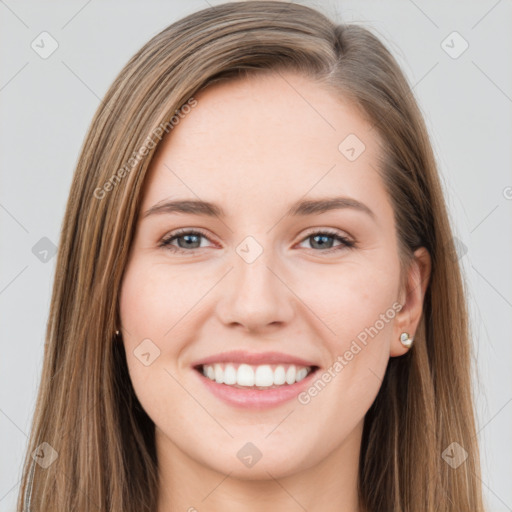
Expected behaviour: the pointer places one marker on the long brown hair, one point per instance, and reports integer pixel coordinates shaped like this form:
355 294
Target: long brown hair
87 410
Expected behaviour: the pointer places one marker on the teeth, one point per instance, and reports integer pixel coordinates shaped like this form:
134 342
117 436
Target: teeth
301 374
230 374
279 376
262 376
291 373
244 375
219 374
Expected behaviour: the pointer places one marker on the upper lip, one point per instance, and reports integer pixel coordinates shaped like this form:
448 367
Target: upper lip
253 358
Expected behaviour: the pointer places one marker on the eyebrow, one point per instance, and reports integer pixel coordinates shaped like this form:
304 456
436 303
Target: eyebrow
299 208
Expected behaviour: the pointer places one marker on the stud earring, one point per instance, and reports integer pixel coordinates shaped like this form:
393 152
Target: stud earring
117 333
405 340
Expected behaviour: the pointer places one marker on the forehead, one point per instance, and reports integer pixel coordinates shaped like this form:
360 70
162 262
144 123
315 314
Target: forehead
267 138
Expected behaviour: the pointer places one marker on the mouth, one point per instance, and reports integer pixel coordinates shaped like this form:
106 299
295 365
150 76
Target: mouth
255 377
255 380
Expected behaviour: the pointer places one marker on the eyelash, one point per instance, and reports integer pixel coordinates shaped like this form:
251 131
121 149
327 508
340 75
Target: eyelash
166 242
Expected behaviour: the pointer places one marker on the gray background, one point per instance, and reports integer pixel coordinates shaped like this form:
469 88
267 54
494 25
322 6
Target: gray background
47 105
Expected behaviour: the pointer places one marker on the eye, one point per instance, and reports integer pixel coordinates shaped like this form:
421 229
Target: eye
323 240
187 239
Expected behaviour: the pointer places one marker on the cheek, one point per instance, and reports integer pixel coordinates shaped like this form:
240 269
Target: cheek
157 305
146 315
153 300
356 303
353 301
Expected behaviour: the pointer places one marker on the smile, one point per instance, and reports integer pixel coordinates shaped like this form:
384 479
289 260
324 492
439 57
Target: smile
265 376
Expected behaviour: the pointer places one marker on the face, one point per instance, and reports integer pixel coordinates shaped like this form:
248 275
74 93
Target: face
266 281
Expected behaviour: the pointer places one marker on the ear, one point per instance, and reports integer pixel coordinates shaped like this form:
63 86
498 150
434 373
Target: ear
411 298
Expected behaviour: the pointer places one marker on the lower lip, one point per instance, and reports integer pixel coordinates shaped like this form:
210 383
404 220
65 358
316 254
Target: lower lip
256 398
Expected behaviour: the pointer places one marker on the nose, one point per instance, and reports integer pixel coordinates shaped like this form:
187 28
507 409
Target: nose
255 296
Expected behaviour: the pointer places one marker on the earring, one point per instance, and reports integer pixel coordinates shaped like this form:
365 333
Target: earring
117 333
405 340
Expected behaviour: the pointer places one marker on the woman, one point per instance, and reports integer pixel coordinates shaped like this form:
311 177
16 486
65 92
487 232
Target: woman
256 302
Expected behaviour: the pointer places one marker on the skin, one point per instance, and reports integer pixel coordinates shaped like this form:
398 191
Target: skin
294 298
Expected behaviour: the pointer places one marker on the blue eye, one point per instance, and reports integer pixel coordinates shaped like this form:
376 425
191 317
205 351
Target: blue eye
191 239
321 240
188 240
